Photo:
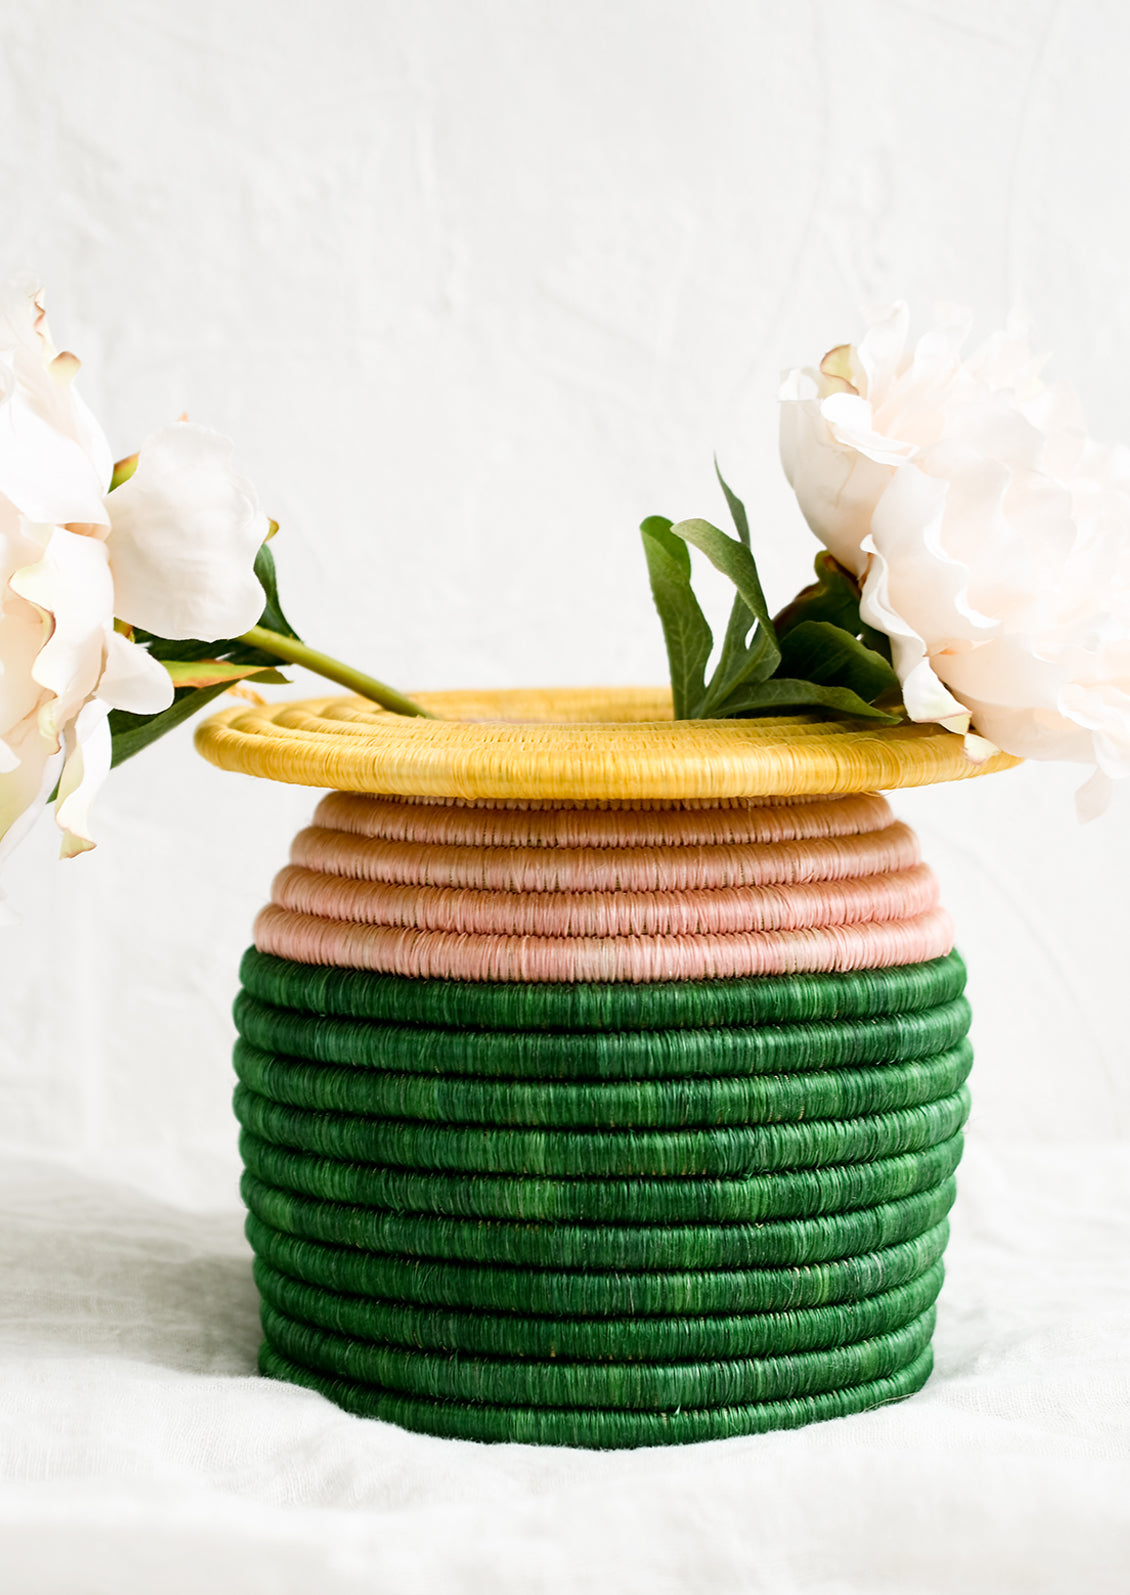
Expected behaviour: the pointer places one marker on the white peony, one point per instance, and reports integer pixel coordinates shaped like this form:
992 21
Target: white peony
170 551
989 534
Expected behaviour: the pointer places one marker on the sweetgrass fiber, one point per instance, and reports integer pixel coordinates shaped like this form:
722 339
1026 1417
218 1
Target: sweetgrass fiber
491 1200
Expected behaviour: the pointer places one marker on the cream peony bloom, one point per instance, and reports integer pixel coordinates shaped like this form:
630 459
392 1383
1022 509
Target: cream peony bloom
989 534
170 551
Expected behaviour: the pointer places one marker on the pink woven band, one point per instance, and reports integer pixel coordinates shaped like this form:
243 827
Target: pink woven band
627 892
723 911
603 869
735 820
447 955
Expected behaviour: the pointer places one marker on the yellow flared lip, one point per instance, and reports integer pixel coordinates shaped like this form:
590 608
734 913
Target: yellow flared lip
575 744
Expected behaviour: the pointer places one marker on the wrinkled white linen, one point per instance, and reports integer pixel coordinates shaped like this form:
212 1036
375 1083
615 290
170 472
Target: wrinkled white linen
140 1452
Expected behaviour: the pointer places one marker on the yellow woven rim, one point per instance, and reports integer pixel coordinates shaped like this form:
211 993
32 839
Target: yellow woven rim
589 743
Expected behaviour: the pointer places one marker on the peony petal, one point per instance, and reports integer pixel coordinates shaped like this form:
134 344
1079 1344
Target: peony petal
837 488
132 679
937 353
841 372
55 461
979 749
1033 733
995 554
849 419
1006 672
924 696
71 583
922 582
24 789
24 629
881 353
185 530
1103 709
47 476
1006 360
88 753
24 334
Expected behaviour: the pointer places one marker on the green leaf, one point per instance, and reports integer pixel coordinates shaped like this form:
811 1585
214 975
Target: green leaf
685 630
737 508
833 597
737 663
131 732
207 672
831 663
272 617
783 695
734 560
817 651
195 651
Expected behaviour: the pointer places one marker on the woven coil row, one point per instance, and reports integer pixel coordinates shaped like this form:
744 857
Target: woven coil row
606 1125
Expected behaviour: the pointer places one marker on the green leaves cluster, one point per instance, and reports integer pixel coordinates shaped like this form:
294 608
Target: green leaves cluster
202 670
816 655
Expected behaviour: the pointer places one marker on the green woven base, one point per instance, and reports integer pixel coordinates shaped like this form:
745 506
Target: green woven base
594 1428
656 1340
789 1193
634 1386
599 1104
591 1293
600 1215
647 1247
689 1004
576 1154
605 1057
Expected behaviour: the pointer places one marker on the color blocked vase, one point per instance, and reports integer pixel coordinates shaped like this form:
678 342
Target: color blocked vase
601 1077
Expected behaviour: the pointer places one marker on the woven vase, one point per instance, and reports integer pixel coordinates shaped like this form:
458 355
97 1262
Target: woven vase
601 1077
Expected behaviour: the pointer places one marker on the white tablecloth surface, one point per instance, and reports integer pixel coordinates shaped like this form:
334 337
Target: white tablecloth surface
140 1452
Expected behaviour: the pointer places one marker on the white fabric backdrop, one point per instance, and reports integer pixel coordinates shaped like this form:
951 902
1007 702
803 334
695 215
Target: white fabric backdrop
474 287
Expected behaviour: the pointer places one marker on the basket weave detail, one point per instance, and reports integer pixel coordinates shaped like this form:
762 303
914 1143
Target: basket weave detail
511 1175
576 744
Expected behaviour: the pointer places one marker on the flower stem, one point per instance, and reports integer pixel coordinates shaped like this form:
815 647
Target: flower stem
297 653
